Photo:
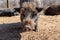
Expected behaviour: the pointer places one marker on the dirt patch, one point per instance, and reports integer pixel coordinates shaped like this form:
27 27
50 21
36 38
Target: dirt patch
48 27
12 19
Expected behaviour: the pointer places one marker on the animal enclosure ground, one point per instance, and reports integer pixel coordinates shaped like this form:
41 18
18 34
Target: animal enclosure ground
49 29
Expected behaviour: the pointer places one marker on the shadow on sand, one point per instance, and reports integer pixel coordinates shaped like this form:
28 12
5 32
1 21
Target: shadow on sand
10 31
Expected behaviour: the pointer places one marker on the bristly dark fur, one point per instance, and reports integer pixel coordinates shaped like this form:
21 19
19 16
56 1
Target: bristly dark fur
53 10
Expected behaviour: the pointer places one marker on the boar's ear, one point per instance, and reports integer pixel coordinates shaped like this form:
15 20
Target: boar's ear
17 9
38 9
21 10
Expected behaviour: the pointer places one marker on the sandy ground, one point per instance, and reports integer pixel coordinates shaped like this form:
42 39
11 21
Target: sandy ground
48 27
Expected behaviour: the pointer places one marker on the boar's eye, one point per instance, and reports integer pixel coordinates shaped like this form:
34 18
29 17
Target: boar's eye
33 15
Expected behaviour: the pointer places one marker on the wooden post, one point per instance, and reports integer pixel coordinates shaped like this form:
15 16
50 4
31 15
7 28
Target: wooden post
7 4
